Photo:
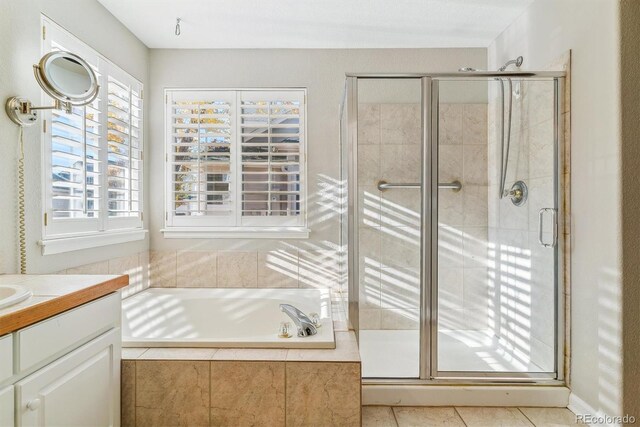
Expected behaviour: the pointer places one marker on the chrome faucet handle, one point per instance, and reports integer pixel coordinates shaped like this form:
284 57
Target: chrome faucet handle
302 321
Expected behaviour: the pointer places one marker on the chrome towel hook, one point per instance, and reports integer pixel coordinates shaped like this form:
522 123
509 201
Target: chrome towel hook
178 30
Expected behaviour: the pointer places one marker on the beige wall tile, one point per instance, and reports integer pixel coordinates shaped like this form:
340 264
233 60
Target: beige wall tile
368 124
196 269
400 288
400 124
450 246
237 269
278 269
323 394
400 163
162 269
450 288
449 163
406 318
319 269
450 125
128 394
131 266
474 165
174 393
101 267
400 247
368 165
427 416
370 319
475 246
247 393
474 124
378 416
369 205
475 211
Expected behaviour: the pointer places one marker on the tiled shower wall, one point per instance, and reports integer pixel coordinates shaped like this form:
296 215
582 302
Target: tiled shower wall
521 269
389 147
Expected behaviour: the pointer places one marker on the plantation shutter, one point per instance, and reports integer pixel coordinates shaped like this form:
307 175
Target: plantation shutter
235 158
124 148
271 137
74 182
93 156
201 169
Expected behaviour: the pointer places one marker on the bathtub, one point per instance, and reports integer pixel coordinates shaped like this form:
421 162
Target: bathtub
241 318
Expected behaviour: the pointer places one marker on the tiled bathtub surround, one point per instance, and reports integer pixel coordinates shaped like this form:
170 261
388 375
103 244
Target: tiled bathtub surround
284 268
389 230
224 387
136 266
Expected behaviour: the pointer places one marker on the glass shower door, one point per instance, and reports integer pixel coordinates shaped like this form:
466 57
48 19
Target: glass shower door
497 237
389 150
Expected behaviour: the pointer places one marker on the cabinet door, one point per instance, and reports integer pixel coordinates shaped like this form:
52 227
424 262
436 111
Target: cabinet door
79 389
6 407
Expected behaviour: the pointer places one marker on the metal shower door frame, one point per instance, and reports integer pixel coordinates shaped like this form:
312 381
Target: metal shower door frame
428 371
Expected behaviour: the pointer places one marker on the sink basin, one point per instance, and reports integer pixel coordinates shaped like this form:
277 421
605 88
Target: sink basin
13 294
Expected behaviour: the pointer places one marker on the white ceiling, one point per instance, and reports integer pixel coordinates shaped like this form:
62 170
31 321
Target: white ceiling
317 23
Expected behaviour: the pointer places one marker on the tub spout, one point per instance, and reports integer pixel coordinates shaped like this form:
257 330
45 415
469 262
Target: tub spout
302 321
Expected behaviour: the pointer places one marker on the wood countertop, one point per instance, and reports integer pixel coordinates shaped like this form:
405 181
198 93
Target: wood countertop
52 295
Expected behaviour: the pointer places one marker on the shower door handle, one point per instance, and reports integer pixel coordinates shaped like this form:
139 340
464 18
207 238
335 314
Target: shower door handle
554 219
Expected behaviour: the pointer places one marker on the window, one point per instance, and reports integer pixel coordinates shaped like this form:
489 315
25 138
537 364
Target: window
235 162
93 156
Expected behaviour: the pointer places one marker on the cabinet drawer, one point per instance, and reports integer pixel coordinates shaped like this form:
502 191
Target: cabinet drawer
6 357
55 336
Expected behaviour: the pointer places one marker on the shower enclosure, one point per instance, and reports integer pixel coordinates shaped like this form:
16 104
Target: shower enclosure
454 224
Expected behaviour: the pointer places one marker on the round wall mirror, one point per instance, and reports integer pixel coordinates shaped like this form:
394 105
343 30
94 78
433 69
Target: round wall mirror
67 77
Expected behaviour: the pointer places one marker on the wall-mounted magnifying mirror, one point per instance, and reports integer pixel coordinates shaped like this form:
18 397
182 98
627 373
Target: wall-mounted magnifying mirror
64 76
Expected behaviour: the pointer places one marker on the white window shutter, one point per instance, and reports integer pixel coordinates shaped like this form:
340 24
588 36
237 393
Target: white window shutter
235 158
93 156
124 150
201 143
272 140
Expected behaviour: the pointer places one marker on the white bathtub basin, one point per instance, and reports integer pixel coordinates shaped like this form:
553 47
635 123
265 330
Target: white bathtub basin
13 294
242 318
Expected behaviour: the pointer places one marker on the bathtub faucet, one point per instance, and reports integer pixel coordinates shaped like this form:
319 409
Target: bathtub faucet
302 321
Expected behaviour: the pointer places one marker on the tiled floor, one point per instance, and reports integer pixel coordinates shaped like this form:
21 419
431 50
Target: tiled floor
405 416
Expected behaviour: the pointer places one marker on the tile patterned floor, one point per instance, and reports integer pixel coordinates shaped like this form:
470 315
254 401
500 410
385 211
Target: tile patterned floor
406 416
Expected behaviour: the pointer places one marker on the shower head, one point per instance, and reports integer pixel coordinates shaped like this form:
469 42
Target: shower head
517 62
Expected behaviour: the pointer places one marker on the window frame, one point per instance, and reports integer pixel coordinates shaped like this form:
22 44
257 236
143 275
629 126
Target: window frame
253 227
68 234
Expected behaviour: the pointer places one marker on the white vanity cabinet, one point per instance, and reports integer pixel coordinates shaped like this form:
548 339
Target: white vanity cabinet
66 369
79 389
7 405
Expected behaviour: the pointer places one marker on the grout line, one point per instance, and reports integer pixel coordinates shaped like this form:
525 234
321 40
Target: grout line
525 415
459 415
393 412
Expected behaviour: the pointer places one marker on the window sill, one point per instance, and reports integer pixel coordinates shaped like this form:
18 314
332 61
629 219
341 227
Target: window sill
236 233
92 240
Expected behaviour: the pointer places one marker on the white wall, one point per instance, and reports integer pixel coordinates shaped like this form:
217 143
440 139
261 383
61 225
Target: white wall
590 29
322 72
20 45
